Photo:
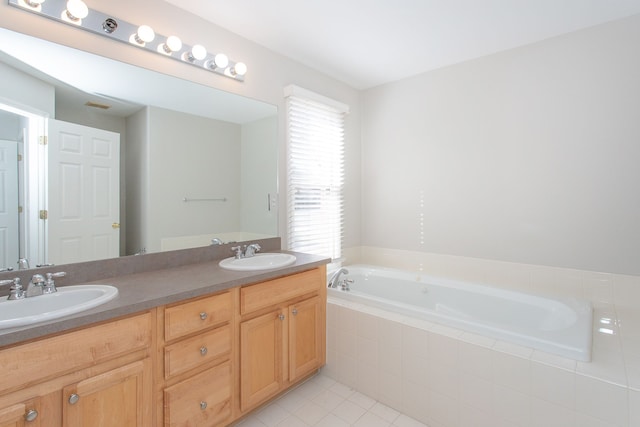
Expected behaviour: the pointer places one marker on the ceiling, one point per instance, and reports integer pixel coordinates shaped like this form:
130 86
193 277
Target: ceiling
365 43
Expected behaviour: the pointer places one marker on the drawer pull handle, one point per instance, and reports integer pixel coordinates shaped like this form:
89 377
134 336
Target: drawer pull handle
203 315
281 316
203 405
73 399
203 350
31 415
294 311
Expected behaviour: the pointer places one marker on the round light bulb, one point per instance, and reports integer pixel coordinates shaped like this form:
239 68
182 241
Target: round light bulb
145 33
198 52
240 69
221 60
77 9
174 43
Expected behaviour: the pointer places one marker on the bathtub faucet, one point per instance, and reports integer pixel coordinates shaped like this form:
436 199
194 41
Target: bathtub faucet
335 281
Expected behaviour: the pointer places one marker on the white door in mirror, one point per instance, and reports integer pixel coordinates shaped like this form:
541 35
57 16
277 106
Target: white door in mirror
266 261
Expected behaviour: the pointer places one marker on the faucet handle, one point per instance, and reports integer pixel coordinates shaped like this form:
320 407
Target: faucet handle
9 281
49 284
238 251
16 291
56 275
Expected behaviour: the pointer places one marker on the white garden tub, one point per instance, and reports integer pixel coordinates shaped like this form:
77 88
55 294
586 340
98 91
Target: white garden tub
558 326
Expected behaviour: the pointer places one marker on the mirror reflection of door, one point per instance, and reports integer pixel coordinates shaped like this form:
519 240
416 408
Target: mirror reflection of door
83 193
9 223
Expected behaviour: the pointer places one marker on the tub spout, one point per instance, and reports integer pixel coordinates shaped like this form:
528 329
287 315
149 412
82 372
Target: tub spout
334 281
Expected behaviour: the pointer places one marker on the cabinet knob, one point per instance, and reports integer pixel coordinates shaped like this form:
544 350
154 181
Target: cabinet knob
294 311
203 350
281 316
73 399
31 415
203 405
203 315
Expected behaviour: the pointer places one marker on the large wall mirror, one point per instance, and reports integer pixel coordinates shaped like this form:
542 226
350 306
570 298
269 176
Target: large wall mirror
133 161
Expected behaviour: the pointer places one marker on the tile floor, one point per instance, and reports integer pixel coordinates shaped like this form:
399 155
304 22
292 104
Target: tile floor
323 402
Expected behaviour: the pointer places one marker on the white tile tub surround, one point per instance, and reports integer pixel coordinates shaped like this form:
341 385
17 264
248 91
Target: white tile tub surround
446 377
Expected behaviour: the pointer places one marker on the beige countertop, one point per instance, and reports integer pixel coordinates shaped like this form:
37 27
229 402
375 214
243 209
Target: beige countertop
142 291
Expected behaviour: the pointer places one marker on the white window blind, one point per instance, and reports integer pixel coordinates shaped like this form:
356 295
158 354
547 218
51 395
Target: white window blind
315 173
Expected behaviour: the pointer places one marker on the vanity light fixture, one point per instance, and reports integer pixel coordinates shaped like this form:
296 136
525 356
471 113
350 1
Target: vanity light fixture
240 69
219 61
77 13
33 4
196 53
143 35
74 12
172 44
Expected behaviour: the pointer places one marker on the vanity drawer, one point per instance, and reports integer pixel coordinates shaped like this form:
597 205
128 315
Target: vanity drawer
190 317
51 357
193 352
273 292
204 399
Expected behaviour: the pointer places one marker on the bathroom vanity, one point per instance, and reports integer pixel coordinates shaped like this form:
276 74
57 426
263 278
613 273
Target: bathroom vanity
219 345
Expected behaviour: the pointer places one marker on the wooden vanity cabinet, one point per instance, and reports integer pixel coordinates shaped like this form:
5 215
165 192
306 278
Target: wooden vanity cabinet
282 334
197 369
98 376
23 414
204 362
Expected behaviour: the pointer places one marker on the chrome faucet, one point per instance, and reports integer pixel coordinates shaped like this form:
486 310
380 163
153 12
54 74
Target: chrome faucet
251 250
335 282
216 241
36 286
39 286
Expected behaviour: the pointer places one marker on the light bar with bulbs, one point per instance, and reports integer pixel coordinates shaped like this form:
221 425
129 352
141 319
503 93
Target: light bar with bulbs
76 12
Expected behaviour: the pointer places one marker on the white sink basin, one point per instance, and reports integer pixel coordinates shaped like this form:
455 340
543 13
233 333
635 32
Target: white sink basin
68 300
264 261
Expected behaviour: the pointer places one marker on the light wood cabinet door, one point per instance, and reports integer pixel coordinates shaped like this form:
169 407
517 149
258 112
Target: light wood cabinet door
261 357
25 414
121 397
305 346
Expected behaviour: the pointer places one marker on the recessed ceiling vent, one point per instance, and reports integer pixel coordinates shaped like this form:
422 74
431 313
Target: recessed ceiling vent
97 105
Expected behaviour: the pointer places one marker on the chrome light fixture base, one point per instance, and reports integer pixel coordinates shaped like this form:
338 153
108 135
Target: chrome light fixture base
72 12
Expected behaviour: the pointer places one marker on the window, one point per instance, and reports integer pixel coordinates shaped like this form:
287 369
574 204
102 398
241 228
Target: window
315 173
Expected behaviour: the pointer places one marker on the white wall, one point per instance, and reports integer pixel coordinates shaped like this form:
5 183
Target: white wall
259 159
23 91
268 72
193 157
137 172
531 155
